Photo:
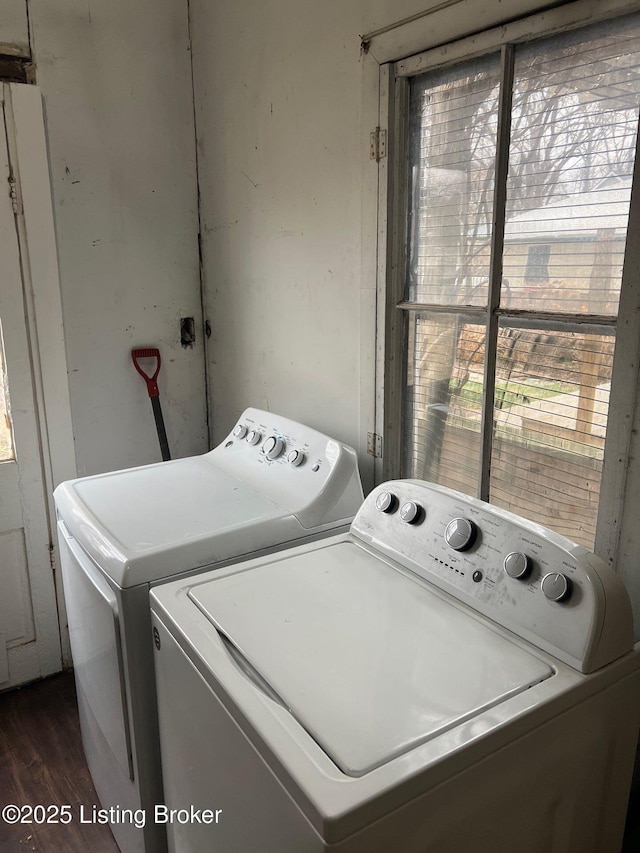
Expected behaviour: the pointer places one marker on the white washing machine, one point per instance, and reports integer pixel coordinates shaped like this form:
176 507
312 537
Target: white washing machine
271 484
446 677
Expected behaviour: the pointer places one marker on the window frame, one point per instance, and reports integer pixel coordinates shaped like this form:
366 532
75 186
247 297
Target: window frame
392 228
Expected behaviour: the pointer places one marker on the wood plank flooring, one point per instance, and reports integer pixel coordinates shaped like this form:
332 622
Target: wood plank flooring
42 762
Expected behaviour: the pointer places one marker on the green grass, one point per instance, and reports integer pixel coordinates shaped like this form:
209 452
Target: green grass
514 393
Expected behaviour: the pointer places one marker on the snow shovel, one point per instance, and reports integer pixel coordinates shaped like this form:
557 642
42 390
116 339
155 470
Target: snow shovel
154 393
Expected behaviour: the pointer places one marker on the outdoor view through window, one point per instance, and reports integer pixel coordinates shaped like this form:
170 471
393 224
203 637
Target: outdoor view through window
573 109
6 441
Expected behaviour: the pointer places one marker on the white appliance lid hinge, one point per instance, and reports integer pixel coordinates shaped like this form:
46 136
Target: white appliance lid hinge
378 144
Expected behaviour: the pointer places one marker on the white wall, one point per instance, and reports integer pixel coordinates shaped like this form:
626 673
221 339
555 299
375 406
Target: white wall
116 82
285 104
628 560
280 92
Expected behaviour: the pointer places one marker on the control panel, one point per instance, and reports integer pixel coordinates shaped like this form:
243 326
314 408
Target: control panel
309 473
523 576
289 446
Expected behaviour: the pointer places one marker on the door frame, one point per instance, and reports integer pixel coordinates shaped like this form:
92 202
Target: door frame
29 164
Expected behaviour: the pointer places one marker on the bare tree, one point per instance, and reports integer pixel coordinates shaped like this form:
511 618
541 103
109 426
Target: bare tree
573 127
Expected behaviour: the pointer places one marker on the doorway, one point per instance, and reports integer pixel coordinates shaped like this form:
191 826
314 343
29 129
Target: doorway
35 425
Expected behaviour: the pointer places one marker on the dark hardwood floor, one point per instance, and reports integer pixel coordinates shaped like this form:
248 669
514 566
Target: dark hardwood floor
42 763
632 832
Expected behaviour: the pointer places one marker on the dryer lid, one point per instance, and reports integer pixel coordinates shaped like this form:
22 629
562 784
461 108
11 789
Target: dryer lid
145 524
370 661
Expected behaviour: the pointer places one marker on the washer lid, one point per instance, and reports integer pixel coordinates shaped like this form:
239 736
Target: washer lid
369 661
149 523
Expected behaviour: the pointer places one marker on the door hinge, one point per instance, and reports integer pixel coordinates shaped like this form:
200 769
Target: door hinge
374 445
377 144
15 199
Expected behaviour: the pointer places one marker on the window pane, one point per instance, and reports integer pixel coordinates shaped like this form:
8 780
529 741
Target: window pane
6 438
443 400
551 405
573 134
452 142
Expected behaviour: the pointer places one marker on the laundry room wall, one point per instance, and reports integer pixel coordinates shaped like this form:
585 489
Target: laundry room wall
116 83
285 103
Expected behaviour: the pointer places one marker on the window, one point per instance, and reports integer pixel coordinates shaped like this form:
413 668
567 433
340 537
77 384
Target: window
6 437
515 196
537 270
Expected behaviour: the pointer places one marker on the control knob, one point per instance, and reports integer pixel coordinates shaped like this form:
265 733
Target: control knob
254 437
273 447
460 534
517 565
556 586
411 512
296 458
386 502
240 431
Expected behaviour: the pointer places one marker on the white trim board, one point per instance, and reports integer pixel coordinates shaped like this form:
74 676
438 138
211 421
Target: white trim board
460 20
36 235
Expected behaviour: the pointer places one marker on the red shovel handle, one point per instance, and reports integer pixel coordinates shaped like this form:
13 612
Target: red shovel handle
148 352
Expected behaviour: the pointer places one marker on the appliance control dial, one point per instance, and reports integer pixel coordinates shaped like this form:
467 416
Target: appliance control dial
296 458
386 502
240 431
460 534
556 586
411 512
517 565
254 437
273 447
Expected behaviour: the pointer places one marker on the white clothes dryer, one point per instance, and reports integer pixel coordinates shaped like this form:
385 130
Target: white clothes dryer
271 484
445 677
